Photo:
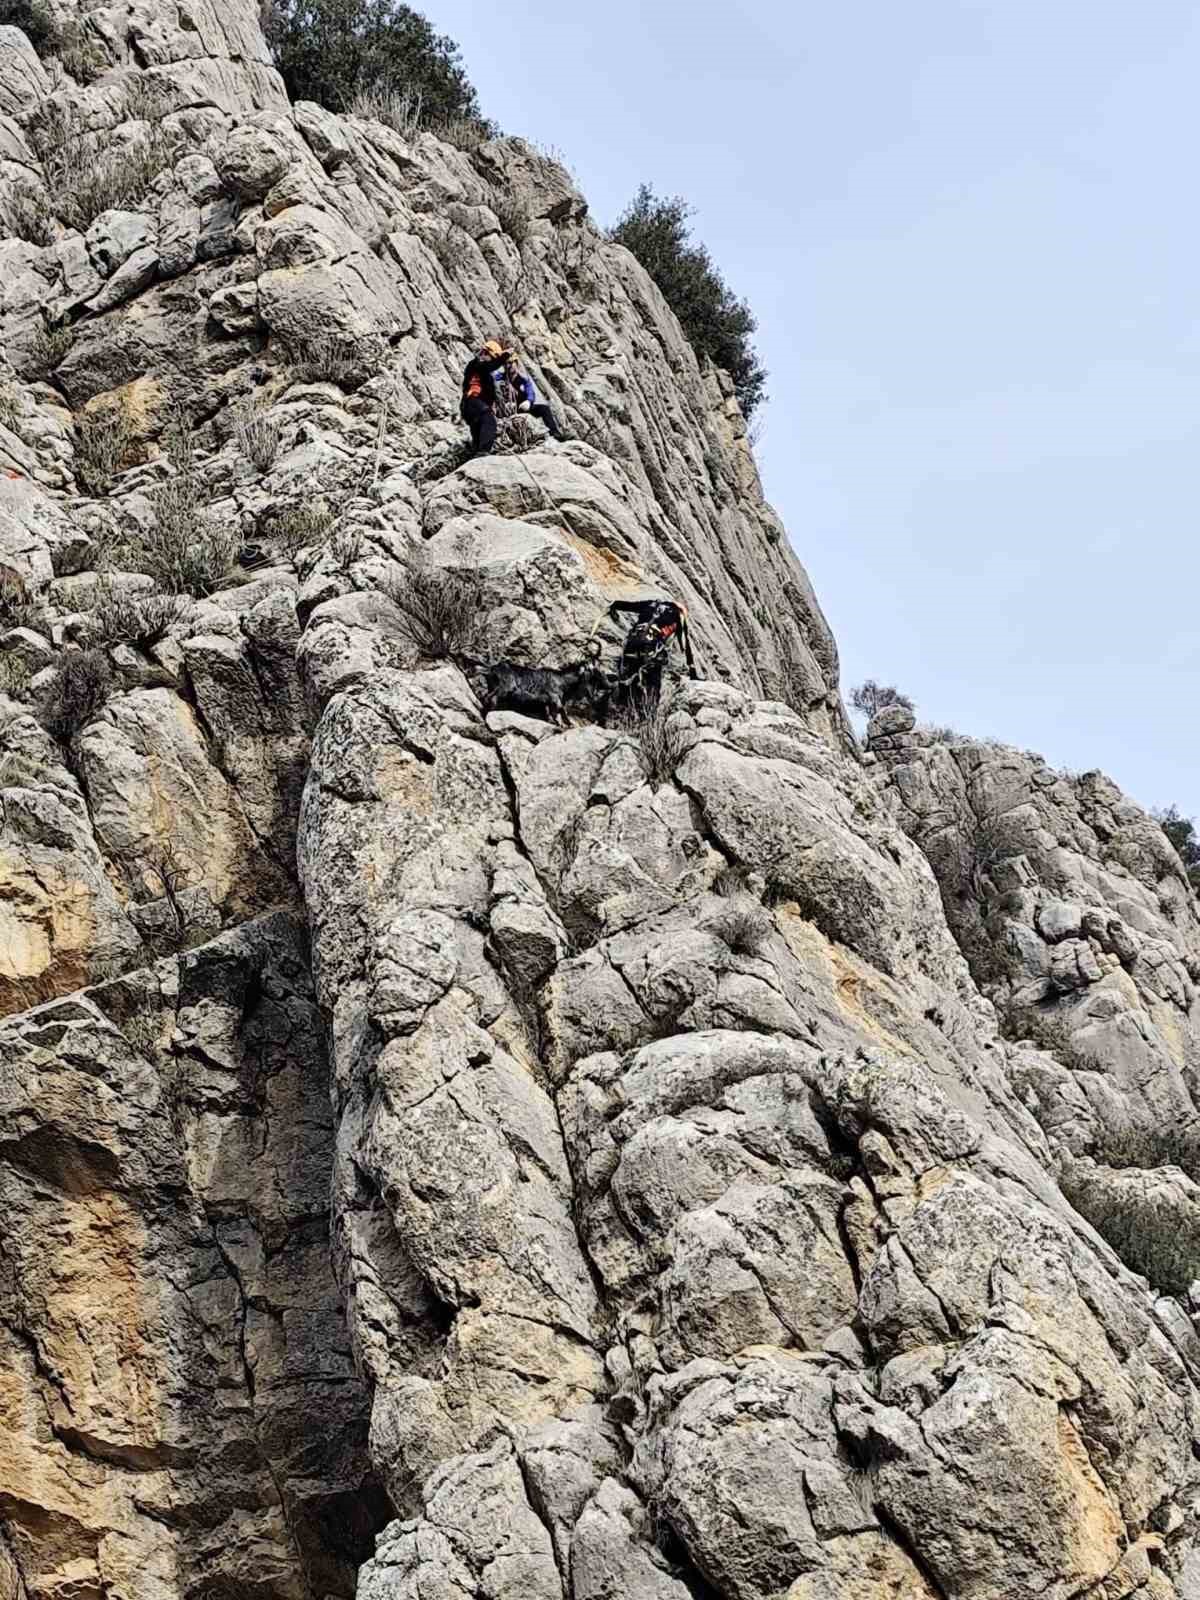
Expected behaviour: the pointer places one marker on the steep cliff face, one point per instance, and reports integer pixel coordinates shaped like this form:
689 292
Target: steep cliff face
449 1154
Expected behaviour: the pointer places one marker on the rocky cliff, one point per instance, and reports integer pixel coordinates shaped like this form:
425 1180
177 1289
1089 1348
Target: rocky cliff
453 1156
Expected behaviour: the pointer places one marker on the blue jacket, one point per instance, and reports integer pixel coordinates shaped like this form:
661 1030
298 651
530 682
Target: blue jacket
525 390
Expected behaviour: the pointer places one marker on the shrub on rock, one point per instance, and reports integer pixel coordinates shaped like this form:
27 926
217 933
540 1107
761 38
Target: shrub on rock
103 435
86 177
870 698
743 924
1181 831
439 610
121 616
334 50
76 695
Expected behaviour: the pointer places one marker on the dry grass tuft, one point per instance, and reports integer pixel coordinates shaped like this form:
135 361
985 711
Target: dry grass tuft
398 107
121 617
18 608
15 673
743 923
661 740
86 177
258 436
28 215
49 349
186 551
103 434
293 528
332 358
465 133
732 880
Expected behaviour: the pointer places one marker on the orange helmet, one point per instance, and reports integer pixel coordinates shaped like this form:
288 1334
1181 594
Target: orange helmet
492 348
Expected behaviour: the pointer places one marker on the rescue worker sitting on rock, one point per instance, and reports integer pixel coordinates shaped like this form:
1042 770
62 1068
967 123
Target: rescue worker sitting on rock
657 625
524 392
479 394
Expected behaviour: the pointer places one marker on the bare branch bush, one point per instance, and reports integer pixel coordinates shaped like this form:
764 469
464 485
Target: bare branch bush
163 865
1153 1240
442 463
971 846
518 290
186 550
446 244
65 42
515 435
1148 1145
514 217
439 609
870 697
346 547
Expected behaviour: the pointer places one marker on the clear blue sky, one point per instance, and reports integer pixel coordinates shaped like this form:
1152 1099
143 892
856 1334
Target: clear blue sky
969 233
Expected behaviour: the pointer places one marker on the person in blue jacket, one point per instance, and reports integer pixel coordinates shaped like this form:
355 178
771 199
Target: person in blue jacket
525 392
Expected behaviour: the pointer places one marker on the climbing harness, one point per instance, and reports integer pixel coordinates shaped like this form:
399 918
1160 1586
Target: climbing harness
632 681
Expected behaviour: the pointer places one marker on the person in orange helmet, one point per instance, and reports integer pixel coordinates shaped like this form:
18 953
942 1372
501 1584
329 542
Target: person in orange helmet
657 625
479 394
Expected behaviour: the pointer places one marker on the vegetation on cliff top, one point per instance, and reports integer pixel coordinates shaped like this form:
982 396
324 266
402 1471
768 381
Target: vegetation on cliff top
717 323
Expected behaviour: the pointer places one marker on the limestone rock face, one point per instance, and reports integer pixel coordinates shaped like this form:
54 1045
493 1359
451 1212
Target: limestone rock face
447 1155
170 1321
1079 924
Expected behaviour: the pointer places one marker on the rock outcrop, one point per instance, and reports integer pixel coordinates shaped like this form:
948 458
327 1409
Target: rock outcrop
447 1154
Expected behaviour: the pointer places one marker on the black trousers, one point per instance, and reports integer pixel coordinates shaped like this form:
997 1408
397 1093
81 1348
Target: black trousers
481 420
641 675
544 414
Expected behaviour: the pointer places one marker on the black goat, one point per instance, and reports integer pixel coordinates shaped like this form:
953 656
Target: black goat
542 692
